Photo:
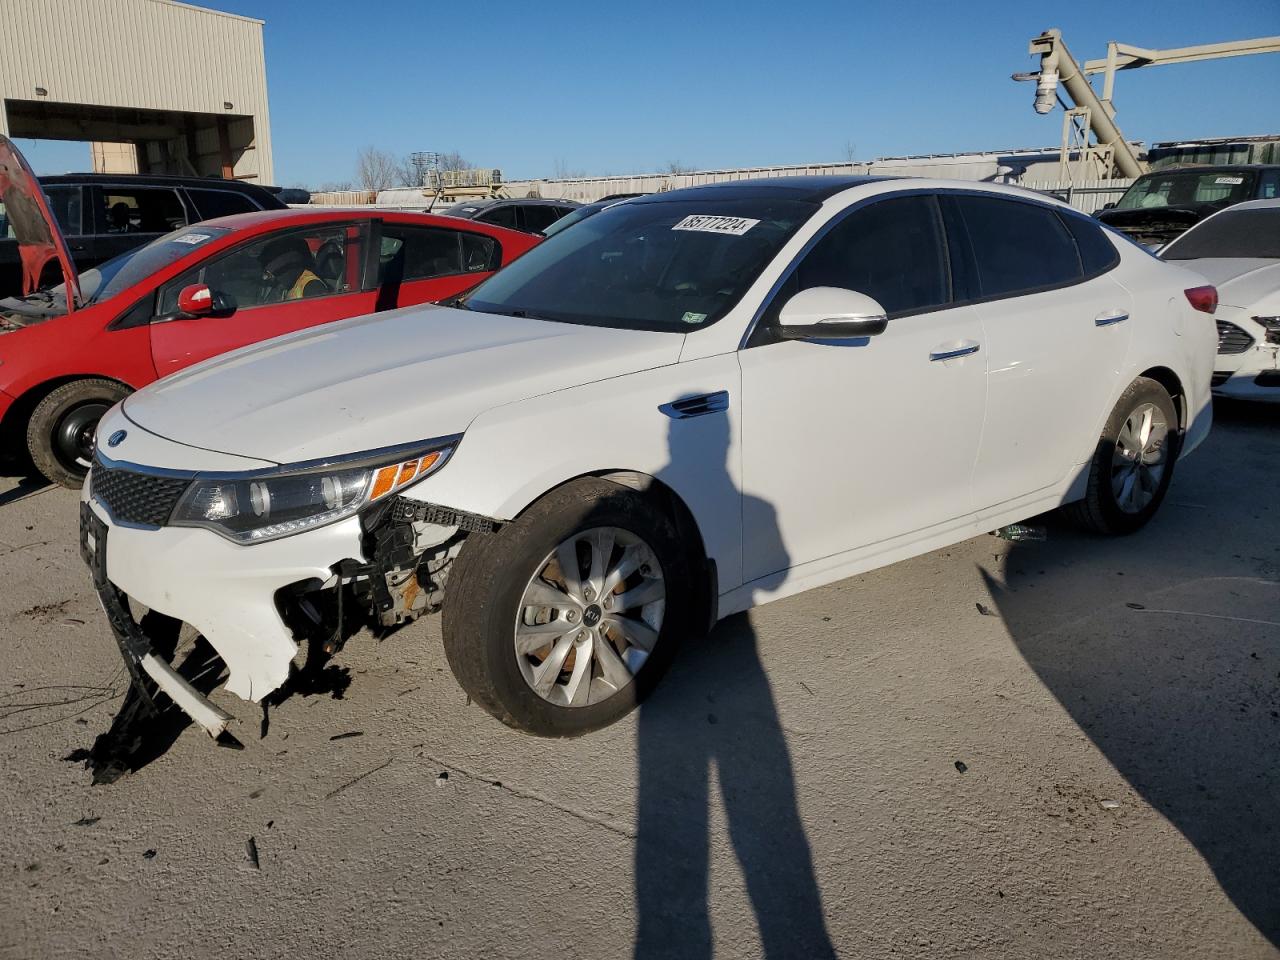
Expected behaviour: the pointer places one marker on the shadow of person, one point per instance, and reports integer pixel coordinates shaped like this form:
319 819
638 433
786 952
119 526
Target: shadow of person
716 711
1163 648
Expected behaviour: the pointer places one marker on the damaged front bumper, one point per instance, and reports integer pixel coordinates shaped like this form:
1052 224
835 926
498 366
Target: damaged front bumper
256 605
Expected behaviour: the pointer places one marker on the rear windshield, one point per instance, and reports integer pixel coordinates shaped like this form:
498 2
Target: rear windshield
1187 188
668 265
1230 234
119 274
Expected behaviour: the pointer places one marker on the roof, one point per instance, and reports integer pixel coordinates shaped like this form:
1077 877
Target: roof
1267 203
1212 168
814 189
149 179
485 202
262 218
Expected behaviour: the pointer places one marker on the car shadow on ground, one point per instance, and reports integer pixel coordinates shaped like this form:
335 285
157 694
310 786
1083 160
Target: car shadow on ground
1175 679
20 479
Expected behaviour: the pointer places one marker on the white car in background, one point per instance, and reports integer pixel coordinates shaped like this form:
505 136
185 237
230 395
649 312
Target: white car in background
687 405
1238 249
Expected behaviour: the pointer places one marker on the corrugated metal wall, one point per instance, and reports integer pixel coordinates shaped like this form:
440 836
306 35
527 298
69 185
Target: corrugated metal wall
148 54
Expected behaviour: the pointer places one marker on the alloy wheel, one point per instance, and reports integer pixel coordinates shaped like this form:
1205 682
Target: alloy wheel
589 617
1140 457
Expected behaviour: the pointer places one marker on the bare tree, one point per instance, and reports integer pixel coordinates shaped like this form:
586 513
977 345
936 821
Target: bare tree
850 151
377 170
561 170
676 168
454 161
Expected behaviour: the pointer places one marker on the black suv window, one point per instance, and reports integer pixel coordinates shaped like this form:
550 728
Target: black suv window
220 203
891 250
140 210
1018 247
503 215
65 202
537 217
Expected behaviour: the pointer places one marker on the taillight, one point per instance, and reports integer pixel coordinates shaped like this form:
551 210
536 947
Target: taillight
1204 299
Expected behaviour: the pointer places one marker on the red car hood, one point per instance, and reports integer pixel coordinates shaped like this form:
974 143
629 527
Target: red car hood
32 223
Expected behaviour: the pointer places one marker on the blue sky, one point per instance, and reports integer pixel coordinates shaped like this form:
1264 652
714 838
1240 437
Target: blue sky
597 88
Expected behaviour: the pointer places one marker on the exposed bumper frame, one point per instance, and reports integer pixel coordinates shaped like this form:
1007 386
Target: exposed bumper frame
135 647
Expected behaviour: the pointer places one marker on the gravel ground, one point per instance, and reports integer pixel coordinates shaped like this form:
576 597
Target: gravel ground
1059 749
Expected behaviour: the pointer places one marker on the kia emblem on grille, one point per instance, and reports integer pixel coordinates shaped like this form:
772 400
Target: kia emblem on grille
117 438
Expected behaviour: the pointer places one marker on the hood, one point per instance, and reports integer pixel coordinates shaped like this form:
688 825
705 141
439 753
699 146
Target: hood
1157 225
384 379
39 238
1240 282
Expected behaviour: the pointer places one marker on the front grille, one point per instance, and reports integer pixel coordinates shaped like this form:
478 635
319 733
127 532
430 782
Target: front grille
1231 339
1221 377
135 497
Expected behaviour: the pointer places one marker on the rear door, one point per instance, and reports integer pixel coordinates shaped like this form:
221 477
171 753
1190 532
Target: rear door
278 283
422 264
1055 333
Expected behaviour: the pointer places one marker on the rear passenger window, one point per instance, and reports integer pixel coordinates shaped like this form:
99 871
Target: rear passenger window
480 253
504 216
891 251
141 210
220 203
1018 247
538 217
418 253
1097 254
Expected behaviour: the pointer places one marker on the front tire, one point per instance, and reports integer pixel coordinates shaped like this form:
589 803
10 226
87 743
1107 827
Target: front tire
60 433
1133 464
563 620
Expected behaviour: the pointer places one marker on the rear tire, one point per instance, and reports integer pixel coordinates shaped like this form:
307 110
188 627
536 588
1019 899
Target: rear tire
60 433
1133 464
490 627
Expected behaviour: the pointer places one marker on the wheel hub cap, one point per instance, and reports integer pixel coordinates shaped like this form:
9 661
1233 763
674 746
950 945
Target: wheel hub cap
1140 458
589 617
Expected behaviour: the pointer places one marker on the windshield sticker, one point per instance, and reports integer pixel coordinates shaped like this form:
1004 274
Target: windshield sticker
704 223
1234 181
193 238
692 317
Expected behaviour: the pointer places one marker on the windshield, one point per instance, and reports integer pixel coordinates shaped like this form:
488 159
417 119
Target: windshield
667 265
1244 234
1186 188
119 274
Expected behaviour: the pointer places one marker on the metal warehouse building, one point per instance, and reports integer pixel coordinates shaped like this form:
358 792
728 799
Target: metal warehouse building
156 86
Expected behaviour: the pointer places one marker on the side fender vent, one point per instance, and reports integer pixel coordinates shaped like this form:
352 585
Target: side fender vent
702 404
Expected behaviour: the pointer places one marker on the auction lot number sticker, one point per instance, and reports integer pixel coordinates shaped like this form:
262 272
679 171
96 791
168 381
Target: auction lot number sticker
705 223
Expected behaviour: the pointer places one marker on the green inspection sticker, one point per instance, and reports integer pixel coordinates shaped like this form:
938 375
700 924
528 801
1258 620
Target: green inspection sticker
693 317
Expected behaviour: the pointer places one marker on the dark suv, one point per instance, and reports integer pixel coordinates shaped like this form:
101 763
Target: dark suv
103 215
530 214
1162 205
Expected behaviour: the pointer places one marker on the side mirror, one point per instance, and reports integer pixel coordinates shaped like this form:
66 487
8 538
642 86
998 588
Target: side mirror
1110 204
831 313
198 300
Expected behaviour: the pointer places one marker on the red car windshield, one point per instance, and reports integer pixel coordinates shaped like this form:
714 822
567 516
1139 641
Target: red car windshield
131 268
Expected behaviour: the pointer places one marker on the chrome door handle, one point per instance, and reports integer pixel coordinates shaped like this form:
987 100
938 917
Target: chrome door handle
1110 317
957 352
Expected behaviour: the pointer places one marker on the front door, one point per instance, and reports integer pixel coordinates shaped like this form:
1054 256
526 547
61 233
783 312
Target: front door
849 443
285 281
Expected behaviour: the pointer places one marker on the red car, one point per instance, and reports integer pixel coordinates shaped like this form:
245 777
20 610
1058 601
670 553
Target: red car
70 352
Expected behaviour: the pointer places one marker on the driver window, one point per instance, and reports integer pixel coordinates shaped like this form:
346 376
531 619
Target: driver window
297 265
891 250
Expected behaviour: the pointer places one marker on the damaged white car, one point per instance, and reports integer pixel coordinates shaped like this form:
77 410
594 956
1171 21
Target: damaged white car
1239 250
687 405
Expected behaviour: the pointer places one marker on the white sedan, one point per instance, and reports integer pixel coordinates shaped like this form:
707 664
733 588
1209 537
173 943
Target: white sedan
1239 250
687 405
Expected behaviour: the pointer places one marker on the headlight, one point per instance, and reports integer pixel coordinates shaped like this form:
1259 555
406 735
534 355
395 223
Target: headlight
269 504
